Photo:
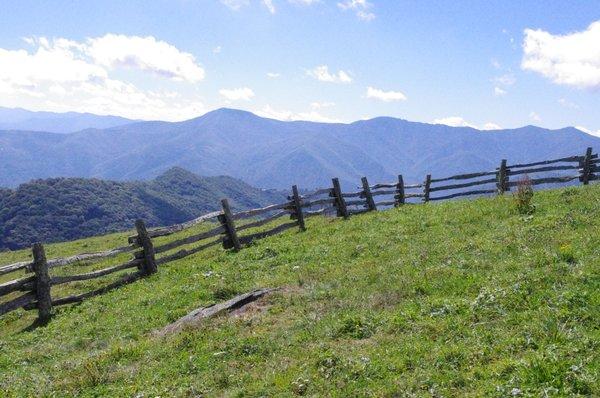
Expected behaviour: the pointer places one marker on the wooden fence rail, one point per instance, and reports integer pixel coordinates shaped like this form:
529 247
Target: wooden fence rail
34 289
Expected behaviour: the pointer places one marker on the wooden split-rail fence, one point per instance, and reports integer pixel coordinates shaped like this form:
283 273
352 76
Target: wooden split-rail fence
34 289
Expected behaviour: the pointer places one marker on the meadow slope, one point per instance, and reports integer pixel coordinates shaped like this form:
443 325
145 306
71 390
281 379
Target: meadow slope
464 298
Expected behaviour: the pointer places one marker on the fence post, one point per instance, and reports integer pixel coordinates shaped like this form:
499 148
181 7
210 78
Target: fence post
585 167
298 208
399 198
149 266
227 221
426 188
368 195
42 282
502 178
340 203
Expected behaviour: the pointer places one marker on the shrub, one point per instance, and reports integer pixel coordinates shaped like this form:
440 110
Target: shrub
523 196
566 254
355 327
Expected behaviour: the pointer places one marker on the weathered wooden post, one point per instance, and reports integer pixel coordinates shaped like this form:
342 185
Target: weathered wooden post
368 195
42 282
426 188
399 198
298 208
149 266
340 203
502 178
586 167
226 220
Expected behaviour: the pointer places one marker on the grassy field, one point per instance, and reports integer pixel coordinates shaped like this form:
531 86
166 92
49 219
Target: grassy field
465 299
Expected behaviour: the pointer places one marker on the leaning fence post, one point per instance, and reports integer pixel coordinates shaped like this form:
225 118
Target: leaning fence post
149 266
585 167
340 203
426 188
399 198
502 178
368 195
42 282
227 222
298 208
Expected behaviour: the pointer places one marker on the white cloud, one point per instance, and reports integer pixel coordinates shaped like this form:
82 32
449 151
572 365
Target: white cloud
273 75
572 59
321 73
285 115
63 75
269 5
498 92
534 116
588 131
454 121
235 4
360 7
386 96
144 53
568 104
491 126
217 50
48 64
457 121
237 94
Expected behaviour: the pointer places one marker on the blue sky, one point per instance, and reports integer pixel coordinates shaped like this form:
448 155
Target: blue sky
479 63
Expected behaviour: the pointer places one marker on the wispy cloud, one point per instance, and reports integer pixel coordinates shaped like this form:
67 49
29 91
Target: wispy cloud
269 5
534 116
286 115
507 79
360 7
321 105
273 75
235 4
568 104
304 2
237 94
499 92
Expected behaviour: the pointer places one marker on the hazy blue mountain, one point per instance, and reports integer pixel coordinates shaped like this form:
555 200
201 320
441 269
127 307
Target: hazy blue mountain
275 154
21 119
59 209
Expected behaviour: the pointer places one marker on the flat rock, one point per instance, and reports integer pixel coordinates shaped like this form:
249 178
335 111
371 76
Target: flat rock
197 315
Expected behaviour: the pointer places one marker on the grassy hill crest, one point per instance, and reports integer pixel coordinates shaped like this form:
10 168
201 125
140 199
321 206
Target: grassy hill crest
463 298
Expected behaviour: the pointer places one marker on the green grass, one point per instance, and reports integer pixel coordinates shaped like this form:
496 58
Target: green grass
464 299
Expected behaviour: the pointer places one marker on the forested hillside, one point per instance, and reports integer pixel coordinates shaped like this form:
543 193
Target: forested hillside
275 154
60 209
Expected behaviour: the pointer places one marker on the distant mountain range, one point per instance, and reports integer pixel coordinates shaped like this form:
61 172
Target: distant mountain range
69 122
62 209
275 154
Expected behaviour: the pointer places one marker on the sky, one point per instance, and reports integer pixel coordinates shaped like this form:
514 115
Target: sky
487 64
